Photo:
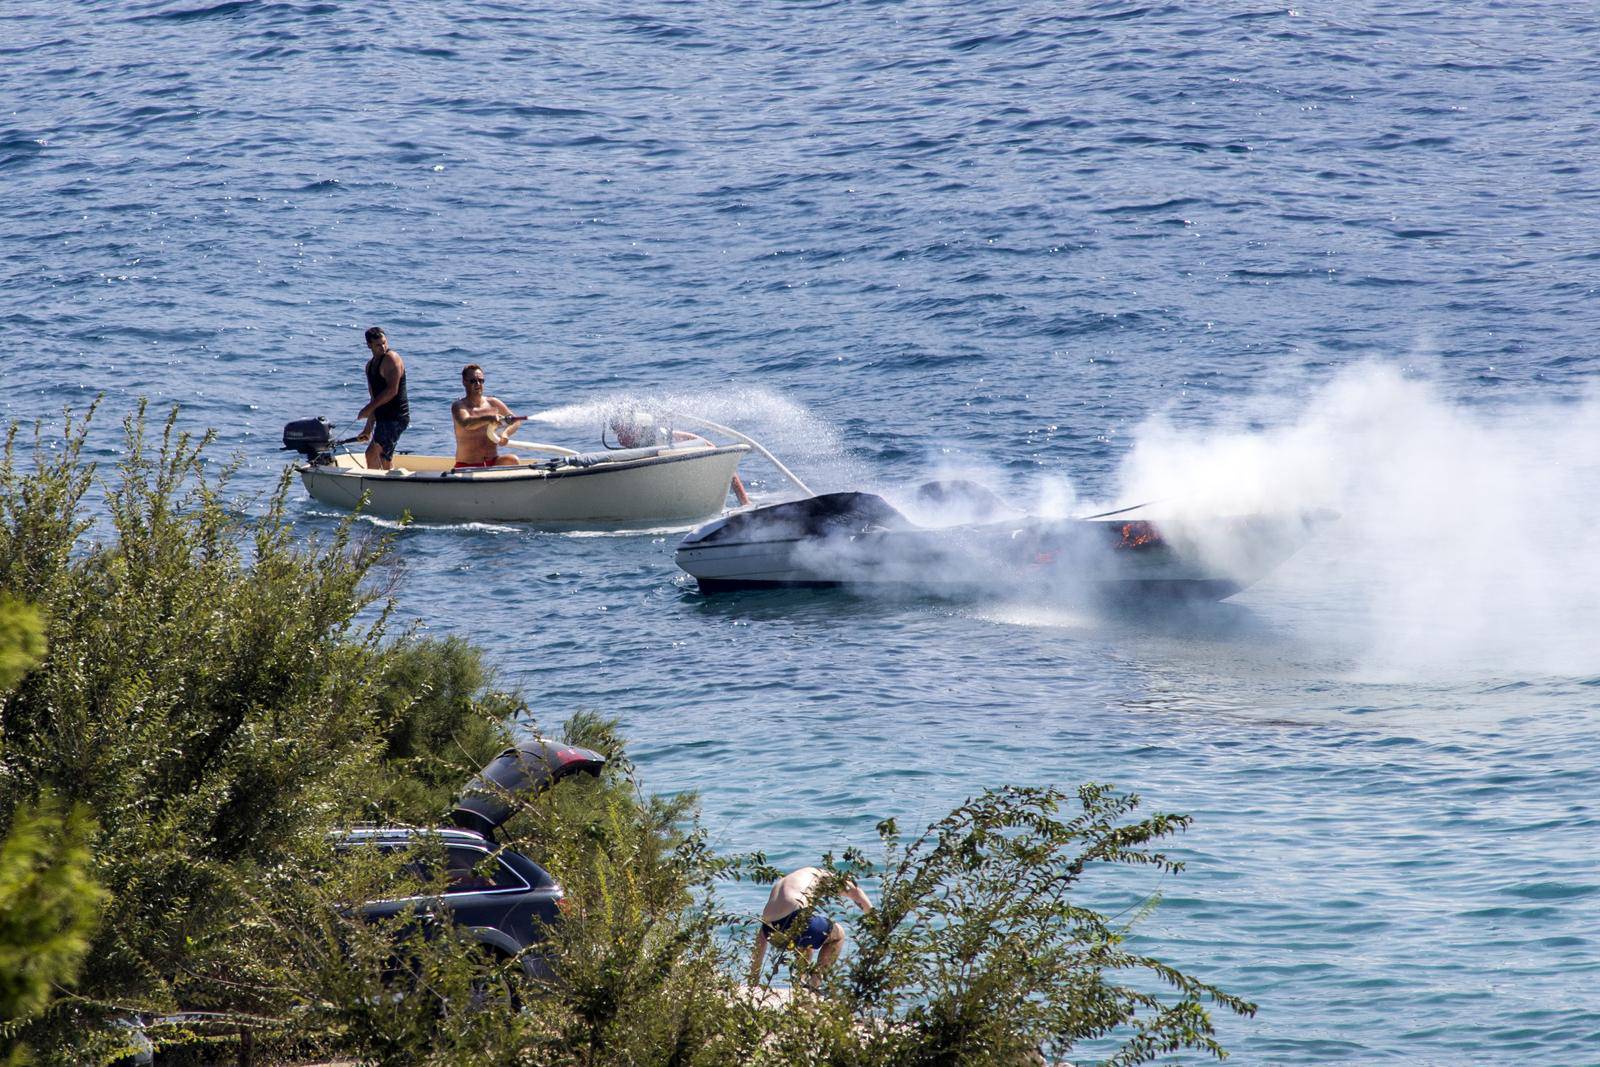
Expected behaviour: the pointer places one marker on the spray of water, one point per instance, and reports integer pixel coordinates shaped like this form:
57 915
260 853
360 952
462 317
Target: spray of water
1464 538
809 444
1466 533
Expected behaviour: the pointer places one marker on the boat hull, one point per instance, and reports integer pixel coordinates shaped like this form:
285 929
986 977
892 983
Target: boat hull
857 541
672 486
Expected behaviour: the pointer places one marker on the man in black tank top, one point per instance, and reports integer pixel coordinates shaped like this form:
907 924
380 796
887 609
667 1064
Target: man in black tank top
389 412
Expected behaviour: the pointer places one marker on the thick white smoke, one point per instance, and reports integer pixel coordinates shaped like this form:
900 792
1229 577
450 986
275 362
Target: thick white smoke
1467 538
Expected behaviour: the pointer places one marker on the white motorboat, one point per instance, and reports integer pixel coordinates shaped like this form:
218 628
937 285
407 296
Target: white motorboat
860 540
677 483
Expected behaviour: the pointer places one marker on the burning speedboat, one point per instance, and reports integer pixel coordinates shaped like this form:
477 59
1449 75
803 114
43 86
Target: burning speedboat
859 539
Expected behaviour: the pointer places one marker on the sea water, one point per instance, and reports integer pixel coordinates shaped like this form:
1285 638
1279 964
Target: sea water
1220 255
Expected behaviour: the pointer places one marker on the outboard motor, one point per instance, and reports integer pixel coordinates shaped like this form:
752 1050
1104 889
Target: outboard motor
312 438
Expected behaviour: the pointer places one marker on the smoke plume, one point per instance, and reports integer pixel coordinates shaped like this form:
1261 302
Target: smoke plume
1466 537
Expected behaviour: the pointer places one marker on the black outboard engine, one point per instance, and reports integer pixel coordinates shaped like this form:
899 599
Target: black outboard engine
312 438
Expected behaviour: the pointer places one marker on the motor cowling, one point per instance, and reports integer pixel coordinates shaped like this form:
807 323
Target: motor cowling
312 438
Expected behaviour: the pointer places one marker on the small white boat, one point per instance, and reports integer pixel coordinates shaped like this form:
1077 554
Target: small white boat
631 487
860 540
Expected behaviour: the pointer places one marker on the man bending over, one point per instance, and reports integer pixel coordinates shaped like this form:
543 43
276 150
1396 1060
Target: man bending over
790 896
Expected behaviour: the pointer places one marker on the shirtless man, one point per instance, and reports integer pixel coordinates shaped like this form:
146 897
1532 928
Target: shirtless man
789 897
473 414
388 413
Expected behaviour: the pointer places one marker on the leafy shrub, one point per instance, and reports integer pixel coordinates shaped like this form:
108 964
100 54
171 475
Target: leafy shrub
48 903
443 719
643 975
978 953
210 695
206 692
21 641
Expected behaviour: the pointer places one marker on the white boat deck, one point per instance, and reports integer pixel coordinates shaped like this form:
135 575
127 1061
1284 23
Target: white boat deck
406 463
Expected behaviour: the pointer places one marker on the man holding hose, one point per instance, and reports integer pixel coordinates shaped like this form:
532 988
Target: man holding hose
473 415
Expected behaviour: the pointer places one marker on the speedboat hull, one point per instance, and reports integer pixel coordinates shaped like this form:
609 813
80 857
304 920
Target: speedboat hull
625 488
858 540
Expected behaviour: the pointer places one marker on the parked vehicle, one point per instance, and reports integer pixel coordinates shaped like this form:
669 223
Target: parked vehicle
502 898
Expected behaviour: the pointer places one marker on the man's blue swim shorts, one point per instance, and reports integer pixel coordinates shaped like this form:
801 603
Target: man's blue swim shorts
816 931
386 432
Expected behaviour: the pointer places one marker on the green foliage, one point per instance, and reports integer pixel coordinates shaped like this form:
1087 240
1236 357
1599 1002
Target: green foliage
48 906
412 989
48 902
643 977
388 996
978 952
211 697
22 642
207 692
443 720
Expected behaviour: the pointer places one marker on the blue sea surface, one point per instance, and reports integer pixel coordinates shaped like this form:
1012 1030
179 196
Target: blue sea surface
1344 254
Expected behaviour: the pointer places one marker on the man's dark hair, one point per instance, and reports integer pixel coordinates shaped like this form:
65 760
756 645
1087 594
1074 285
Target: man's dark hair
468 369
373 333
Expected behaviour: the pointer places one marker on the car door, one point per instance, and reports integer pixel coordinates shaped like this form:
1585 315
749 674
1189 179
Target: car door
480 890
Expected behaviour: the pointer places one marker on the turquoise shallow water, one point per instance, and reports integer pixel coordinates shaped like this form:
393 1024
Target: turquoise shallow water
1340 255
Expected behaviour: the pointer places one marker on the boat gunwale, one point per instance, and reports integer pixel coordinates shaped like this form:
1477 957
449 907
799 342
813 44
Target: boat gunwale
509 474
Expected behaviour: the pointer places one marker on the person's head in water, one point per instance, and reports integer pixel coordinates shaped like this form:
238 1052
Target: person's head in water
472 378
376 340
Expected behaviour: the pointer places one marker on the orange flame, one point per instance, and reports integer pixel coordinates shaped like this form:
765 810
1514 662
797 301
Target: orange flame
1138 535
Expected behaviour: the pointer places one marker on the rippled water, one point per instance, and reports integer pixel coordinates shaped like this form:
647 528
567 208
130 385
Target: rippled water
1346 252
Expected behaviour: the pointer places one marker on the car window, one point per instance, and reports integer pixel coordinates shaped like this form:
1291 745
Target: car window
471 870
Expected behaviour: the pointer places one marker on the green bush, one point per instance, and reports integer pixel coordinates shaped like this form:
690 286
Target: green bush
48 903
21 641
48 908
978 952
212 696
443 720
644 976
207 692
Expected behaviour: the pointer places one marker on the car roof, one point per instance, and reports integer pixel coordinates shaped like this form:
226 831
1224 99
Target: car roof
373 835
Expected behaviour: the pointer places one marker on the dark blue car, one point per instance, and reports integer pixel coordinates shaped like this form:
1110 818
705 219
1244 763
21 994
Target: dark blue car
499 896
